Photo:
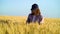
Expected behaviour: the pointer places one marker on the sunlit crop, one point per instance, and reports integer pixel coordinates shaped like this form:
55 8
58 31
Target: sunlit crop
17 25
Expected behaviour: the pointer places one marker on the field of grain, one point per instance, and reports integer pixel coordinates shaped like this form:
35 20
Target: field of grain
17 25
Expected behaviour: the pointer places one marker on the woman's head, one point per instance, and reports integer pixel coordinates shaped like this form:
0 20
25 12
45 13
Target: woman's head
35 9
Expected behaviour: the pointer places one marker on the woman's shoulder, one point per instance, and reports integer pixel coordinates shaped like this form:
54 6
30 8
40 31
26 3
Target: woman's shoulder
30 14
40 16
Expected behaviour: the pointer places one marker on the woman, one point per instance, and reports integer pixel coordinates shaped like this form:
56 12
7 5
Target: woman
35 15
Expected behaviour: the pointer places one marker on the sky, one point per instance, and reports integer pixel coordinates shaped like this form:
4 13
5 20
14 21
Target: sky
48 8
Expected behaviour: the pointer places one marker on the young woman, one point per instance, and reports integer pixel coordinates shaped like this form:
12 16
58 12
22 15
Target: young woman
35 15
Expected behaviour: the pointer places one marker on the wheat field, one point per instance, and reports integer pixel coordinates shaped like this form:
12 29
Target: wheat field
17 25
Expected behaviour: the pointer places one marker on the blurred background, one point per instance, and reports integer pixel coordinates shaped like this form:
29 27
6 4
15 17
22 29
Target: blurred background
49 8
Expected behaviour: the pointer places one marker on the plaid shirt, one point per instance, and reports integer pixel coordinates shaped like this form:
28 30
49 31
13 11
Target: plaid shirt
32 18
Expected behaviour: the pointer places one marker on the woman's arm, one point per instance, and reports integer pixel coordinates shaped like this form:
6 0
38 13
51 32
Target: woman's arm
40 19
28 19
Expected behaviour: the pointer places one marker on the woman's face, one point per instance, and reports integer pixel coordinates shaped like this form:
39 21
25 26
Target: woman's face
35 11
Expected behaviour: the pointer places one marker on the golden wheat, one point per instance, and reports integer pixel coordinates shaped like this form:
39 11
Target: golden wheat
17 25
